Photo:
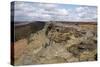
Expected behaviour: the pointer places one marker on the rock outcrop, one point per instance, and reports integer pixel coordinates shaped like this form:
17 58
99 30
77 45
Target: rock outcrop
58 43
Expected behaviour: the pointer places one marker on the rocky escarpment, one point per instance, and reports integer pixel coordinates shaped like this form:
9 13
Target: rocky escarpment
58 43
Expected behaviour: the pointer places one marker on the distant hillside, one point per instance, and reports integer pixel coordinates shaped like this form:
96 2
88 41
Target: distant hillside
23 30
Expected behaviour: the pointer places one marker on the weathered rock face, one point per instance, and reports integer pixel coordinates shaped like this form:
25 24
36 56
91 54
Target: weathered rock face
56 43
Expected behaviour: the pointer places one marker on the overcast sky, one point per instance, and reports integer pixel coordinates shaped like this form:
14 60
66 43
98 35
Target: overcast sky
34 11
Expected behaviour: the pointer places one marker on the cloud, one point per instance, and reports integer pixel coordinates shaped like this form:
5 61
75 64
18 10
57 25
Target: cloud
46 5
39 11
86 13
28 11
62 12
81 8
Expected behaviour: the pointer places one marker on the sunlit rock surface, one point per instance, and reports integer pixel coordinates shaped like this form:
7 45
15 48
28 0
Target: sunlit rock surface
58 43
